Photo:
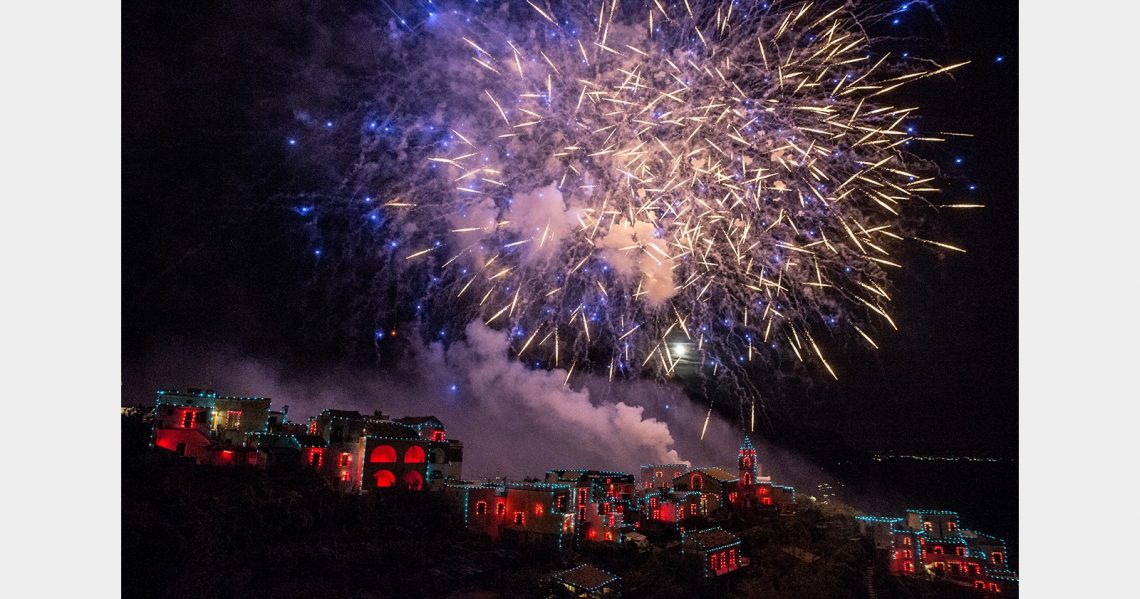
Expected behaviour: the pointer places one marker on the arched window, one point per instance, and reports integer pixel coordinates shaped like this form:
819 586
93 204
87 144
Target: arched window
938 549
480 508
385 478
414 481
383 453
695 481
747 463
415 455
747 478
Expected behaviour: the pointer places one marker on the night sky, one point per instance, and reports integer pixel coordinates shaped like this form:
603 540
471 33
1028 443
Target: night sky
217 267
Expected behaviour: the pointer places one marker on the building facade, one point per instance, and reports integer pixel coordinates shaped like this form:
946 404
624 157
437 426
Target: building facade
932 543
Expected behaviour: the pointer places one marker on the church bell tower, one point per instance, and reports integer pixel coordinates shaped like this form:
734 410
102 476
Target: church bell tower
747 462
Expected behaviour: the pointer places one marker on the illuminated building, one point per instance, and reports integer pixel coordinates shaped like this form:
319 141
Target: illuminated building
715 549
604 502
354 452
933 543
671 507
717 487
660 476
535 513
586 582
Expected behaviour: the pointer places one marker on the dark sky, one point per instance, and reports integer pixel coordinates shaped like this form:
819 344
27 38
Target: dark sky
215 262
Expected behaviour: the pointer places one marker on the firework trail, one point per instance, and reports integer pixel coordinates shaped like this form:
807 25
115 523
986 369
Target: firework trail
642 187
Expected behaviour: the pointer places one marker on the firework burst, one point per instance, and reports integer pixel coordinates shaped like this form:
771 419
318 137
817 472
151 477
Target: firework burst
642 187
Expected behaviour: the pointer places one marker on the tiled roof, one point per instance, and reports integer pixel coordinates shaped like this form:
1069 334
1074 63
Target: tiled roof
585 577
718 473
713 537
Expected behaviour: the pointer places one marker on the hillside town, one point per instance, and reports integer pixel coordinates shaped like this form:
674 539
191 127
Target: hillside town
367 454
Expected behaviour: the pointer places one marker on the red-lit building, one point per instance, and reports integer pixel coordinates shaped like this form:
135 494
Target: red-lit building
605 503
182 420
585 582
717 486
671 507
535 513
410 453
212 429
755 490
932 543
660 476
354 452
715 549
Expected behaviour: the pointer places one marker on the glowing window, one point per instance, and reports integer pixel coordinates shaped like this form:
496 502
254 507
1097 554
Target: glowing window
906 540
413 481
188 419
345 459
344 476
437 436
656 514
315 457
950 526
998 557
652 502
994 587
907 554
938 549
538 509
560 503
747 463
385 478
415 455
908 567
765 490
766 501
981 586
500 509
480 508
961 551
383 453
520 518
657 474
928 526
695 481
747 478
